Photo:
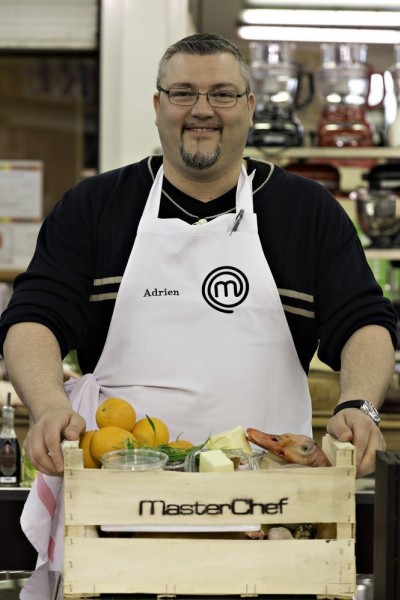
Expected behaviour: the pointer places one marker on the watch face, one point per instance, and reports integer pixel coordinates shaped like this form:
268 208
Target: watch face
371 411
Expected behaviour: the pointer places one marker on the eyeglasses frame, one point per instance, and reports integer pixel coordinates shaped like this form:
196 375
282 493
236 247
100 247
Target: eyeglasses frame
160 89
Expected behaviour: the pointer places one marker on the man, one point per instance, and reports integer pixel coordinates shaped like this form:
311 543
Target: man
228 275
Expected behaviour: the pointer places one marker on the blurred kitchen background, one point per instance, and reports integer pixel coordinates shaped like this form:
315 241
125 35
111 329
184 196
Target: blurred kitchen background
76 85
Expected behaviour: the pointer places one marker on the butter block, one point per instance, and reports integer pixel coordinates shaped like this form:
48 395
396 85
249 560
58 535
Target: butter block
214 461
232 439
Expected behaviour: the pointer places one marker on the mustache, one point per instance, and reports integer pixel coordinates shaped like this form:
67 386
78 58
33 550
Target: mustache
191 125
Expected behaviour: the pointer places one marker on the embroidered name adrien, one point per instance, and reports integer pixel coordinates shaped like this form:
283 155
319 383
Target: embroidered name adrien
157 292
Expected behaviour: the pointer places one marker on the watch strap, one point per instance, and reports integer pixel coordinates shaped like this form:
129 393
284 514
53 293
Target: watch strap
348 404
367 408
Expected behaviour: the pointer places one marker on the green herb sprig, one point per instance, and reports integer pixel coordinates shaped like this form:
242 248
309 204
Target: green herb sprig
176 454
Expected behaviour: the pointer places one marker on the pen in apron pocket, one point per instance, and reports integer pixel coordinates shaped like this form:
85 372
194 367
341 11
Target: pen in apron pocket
236 223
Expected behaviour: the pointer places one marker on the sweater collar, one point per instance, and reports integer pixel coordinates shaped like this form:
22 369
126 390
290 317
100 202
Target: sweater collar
264 170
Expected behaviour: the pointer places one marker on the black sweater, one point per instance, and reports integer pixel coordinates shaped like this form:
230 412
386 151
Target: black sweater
326 286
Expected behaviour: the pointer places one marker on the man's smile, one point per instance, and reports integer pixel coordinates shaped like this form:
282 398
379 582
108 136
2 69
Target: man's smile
201 128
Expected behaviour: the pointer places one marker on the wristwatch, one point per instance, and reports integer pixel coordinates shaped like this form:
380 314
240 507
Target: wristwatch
368 408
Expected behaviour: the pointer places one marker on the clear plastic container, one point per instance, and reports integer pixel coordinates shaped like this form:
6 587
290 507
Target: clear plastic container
138 459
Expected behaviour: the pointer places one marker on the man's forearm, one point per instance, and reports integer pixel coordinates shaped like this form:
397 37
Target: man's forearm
34 365
367 365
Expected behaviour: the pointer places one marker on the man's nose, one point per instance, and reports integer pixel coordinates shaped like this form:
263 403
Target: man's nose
202 105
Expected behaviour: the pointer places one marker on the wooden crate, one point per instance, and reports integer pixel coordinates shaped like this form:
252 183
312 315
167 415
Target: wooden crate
170 564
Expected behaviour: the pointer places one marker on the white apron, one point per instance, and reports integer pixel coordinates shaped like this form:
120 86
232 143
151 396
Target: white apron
198 336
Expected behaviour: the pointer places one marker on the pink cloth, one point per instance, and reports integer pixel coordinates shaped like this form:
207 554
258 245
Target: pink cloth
42 518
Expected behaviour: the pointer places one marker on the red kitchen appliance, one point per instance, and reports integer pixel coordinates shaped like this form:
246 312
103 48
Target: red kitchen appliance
343 83
278 84
324 173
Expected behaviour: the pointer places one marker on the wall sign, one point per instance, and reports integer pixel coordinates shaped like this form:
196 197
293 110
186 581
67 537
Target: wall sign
21 189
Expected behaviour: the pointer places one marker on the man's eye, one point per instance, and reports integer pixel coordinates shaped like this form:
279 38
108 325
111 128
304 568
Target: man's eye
222 95
181 93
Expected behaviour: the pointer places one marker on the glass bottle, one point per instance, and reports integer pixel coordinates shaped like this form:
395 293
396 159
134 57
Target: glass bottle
10 452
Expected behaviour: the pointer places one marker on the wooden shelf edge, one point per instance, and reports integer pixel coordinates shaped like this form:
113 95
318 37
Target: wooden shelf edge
383 253
374 153
8 275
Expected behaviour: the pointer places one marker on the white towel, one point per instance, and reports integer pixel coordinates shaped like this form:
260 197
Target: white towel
40 585
42 518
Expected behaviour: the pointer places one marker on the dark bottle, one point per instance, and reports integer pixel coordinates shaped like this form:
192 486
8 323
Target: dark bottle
10 452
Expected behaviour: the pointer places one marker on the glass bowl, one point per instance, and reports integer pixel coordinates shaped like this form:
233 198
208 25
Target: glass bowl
137 459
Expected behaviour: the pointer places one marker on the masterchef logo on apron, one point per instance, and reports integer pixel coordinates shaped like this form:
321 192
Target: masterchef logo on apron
225 288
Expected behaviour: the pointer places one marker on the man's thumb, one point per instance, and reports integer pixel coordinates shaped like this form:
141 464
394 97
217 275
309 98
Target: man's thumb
75 427
340 431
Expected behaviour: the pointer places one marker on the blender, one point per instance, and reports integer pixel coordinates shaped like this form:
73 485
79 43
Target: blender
378 214
277 81
343 83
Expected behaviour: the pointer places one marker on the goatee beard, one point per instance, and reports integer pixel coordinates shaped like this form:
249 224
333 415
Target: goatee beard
200 160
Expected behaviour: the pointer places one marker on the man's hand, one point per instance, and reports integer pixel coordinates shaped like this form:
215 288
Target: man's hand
34 364
352 425
43 442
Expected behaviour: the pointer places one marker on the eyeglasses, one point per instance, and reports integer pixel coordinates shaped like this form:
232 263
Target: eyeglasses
215 98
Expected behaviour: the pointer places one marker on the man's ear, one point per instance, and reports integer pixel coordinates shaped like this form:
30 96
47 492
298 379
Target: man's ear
252 104
156 104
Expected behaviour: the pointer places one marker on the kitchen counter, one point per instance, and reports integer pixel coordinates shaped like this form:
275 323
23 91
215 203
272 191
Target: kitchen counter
18 553
47 585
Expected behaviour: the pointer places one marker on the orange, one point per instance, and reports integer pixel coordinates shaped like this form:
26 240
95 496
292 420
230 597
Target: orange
184 444
109 438
88 461
145 434
116 411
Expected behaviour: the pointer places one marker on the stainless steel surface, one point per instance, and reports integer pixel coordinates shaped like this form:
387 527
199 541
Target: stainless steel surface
365 588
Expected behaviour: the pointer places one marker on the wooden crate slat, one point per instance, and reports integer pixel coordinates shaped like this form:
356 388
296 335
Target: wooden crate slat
307 495
179 566
345 530
340 454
